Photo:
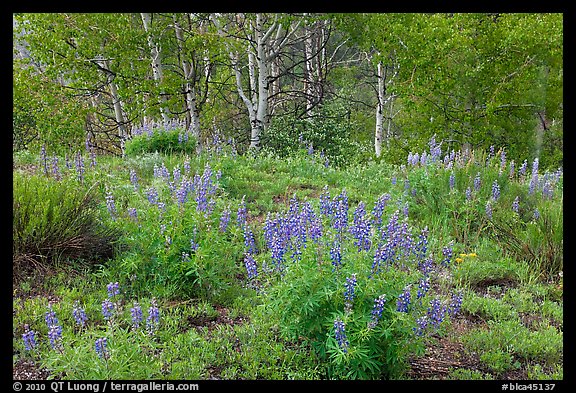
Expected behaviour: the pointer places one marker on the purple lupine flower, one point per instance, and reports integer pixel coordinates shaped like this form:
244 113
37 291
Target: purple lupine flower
133 213
477 182
393 180
533 183
136 313
251 267
55 168
249 241
315 230
489 210
193 243
435 149
101 347
468 193
153 319
110 204
29 338
360 229
421 325
349 294
55 336
548 189
242 213
340 334
423 287
336 255
187 166
415 159
107 309
502 160
515 205
535 165
113 289
378 209
134 179
455 303
79 315
403 300
421 247
447 253
69 164
380 257
340 204
523 168
325 202
423 158
491 154
44 159
536 214
50 317
495 190
377 311
310 149
512 170
406 184
152 195
436 313
426 266
278 250
405 209
224 220
452 180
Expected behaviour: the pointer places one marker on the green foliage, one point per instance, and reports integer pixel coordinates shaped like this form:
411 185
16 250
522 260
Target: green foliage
54 221
328 134
509 339
161 141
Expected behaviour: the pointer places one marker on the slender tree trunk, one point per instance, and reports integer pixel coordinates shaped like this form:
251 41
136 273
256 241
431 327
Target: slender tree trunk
189 86
309 74
379 111
156 63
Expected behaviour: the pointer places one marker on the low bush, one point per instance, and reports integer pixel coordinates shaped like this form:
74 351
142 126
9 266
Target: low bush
161 140
54 221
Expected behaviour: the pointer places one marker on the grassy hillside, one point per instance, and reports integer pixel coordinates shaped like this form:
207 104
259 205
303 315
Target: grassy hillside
254 267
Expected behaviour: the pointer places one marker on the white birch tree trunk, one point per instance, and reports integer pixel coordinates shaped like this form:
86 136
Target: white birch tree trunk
156 63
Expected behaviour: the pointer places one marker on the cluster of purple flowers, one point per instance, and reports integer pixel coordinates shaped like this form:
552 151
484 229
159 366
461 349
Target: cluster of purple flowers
54 329
403 300
110 204
251 267
360 229
495 190
377 310
224 220
340 334
101 347
79 315
29 337
136 313
378 209
349 294
447 252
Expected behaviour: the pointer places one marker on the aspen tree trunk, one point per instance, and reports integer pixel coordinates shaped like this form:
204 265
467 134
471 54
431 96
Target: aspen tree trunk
379 112
156 62
190 78
309 76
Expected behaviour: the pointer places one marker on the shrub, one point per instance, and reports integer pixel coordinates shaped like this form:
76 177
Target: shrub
53 221
161 139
